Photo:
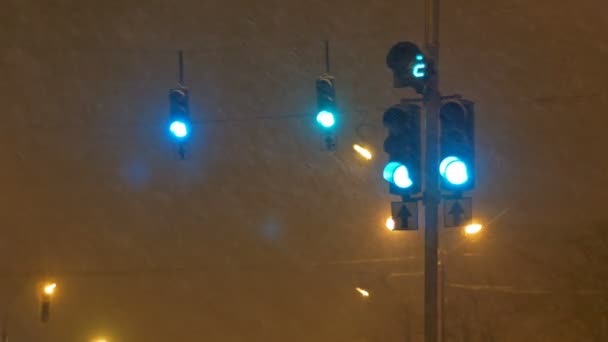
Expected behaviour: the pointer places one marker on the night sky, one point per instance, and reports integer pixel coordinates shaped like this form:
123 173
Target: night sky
260 235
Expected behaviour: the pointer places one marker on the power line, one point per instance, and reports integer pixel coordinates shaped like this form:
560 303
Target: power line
159 123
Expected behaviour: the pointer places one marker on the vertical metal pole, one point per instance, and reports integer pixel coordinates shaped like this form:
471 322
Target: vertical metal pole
181 67
327 65
432 101
4 333
443 297
431 30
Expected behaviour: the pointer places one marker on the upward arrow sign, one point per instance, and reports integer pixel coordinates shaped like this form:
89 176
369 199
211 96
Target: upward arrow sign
456 212
404 215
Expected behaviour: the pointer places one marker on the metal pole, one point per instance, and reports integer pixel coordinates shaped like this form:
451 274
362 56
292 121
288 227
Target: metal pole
443 301
327 65
4 333
181 67
431 30
432 102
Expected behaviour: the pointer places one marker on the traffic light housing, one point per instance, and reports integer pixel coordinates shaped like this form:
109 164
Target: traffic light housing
326 116
457 144
403 170
179 125
409 65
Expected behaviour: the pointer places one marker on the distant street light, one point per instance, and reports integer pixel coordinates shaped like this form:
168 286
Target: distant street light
364 152
45 305
99 339
390 224
473 229
363 292
49 288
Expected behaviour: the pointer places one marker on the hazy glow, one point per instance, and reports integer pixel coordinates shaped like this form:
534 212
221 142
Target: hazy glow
390 224
49 289
326 119
363 292
365 153
179 129
472 229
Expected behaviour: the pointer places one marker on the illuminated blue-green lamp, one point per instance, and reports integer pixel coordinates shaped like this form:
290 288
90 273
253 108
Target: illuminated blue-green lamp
454 170
397 173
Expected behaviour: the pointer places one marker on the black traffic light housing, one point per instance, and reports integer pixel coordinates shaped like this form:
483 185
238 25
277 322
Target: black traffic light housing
403 145
326 93
179 124
411 68
457 140
327 117
178 104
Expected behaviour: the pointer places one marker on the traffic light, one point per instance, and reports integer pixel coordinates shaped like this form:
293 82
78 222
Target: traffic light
457 159
409 65
326 110
403 147
179 124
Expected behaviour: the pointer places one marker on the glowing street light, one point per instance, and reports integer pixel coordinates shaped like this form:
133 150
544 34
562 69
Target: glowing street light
45 305
49 288
364 152
473 229
363 292
390 224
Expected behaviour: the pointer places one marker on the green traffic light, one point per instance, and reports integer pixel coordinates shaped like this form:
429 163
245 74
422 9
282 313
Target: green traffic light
454 170
326 119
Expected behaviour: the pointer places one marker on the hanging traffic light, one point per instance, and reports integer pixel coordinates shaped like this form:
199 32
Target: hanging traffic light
179 125
403 147
409 65
457 161
326 110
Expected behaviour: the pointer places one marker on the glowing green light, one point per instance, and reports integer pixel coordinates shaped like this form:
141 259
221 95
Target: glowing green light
179 129
454 170
397 174
326 119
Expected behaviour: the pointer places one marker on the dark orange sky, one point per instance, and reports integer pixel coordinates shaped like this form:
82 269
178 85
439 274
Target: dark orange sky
259 235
